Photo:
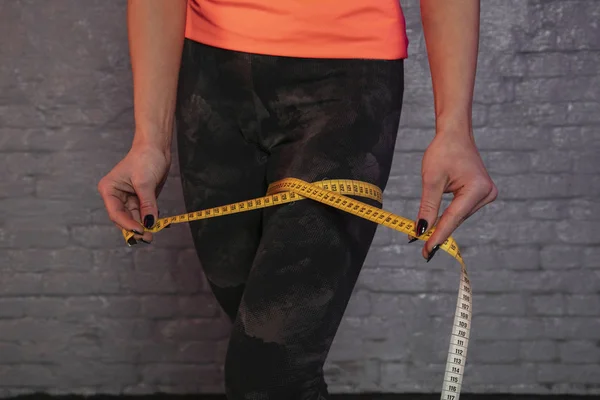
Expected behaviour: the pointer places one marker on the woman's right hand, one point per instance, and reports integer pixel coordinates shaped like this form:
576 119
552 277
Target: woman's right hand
131 188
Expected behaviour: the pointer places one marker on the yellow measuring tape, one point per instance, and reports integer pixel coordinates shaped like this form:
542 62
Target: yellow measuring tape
333 193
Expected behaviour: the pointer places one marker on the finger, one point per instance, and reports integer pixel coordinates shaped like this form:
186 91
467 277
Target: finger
146 193
431 198
412 239
133 206
456 212
486 200
114 201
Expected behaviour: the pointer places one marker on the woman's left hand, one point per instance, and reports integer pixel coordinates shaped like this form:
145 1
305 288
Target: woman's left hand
451 164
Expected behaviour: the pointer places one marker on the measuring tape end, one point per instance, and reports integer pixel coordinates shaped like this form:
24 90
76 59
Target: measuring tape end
128 236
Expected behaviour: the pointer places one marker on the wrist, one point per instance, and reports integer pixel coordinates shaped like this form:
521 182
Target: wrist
157 140
459 124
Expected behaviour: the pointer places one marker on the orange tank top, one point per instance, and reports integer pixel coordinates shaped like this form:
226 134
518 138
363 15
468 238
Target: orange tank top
301 28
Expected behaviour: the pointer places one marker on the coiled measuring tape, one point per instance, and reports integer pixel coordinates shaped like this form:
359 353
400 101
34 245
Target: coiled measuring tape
333 193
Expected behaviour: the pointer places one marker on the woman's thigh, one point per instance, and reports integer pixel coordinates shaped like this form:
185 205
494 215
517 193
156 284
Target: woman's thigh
219 164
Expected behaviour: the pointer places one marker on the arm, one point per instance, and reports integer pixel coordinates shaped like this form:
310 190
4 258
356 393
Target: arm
130 189
451 29
451 162
156 33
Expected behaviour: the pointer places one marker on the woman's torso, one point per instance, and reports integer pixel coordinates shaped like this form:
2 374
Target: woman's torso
301 28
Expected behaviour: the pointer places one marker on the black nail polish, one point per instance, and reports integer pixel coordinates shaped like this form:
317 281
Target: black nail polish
413 240
432 253
149 221
421 227
145 241
135 231
131 241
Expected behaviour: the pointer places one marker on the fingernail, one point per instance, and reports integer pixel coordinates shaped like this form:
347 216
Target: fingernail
135 231
145 241
131 241
432 253
412 239
149 221
421 227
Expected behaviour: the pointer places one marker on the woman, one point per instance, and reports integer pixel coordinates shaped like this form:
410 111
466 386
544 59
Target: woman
263 90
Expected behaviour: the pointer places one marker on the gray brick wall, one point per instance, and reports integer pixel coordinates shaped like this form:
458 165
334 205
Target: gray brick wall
80 312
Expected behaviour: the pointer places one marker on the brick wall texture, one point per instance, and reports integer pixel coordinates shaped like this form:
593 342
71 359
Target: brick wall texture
82 313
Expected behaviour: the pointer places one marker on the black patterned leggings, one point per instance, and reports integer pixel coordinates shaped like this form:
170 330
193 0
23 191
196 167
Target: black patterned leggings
284 275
